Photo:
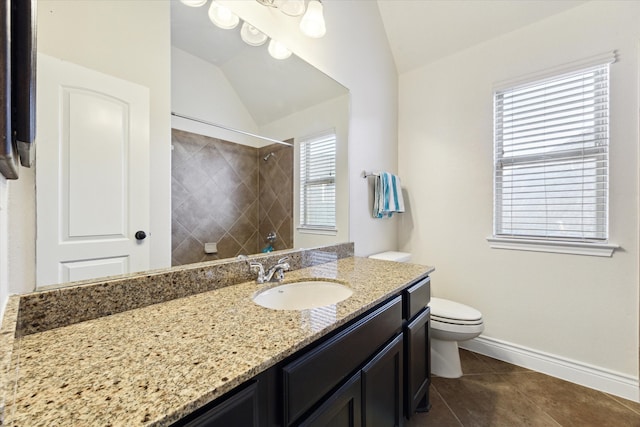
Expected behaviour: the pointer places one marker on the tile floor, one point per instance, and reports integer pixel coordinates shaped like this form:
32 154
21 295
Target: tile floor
495 393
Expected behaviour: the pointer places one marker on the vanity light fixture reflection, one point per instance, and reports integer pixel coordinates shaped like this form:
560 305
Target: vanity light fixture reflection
290 7
222 16
312 23
194 3
278 50
251 35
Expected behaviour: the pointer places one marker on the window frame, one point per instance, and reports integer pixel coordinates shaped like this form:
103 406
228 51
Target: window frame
304 226
556 244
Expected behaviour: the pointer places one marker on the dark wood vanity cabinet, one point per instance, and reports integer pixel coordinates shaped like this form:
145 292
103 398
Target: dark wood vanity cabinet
371 397
417 359
312 375
372 372
245 406
417 347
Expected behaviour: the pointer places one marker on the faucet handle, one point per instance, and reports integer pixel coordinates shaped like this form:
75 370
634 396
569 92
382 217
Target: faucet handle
282 262
256 267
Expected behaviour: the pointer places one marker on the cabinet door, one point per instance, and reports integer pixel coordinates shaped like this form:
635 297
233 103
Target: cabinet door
382 387
418 357
341 409
241 409
314 374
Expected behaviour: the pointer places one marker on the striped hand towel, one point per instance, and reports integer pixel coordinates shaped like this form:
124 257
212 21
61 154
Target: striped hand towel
387 195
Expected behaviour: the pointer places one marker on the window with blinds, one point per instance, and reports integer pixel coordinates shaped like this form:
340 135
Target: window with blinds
551 158
318 182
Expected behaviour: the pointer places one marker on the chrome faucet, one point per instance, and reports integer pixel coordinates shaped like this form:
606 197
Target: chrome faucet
275 273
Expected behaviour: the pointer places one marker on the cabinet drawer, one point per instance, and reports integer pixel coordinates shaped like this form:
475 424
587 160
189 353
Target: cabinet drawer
314 374
416 297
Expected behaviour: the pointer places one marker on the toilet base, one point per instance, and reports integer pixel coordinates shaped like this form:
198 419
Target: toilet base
445 359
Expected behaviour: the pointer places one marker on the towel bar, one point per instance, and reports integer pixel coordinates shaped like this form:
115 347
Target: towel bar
366 174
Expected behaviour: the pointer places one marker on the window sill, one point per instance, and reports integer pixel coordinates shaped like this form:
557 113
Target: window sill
322 231
577 248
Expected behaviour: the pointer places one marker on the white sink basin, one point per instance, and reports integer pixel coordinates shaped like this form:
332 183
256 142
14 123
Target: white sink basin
302 295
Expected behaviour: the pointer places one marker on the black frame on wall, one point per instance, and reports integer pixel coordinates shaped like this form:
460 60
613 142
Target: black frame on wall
17 84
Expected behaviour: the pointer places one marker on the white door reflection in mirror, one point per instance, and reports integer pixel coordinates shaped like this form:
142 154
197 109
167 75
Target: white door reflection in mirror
92 181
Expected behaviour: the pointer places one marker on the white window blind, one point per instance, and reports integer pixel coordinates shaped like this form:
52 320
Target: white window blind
318 182
551 158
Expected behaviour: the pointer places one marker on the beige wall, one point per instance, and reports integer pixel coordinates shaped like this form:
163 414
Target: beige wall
577 308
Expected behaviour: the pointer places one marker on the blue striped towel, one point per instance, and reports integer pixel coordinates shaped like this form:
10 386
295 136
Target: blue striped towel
387 195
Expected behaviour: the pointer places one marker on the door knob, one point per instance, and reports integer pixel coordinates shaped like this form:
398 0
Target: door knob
140 235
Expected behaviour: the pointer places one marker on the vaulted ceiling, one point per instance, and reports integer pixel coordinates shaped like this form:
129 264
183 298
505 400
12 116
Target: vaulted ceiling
419 32
423 31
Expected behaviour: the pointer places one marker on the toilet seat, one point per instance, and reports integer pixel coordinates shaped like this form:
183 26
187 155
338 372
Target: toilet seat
454 312
462 329
456 321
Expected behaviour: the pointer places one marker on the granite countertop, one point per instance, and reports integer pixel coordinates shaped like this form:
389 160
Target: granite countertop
150 366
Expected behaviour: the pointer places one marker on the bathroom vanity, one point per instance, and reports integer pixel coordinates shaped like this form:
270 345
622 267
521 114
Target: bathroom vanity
372 371
217 358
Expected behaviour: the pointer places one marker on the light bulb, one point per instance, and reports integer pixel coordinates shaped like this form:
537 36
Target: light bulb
290 7
222 16
278 50
312 23
194 3
251 35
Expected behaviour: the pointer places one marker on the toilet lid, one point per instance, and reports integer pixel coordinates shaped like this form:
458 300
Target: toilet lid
444 308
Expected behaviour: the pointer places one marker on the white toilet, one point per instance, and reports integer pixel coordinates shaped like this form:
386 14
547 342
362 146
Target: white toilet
450 322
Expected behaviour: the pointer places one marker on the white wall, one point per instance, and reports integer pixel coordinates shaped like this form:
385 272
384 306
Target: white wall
17 234
576 308
356 53
21 233
200 90
4 279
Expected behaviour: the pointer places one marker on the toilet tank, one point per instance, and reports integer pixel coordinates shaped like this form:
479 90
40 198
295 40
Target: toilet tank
392 256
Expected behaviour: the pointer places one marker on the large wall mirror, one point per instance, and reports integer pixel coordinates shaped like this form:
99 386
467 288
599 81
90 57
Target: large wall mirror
162 73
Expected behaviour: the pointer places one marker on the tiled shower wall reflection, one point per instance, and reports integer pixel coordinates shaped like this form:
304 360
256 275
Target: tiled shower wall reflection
275 202
226 193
